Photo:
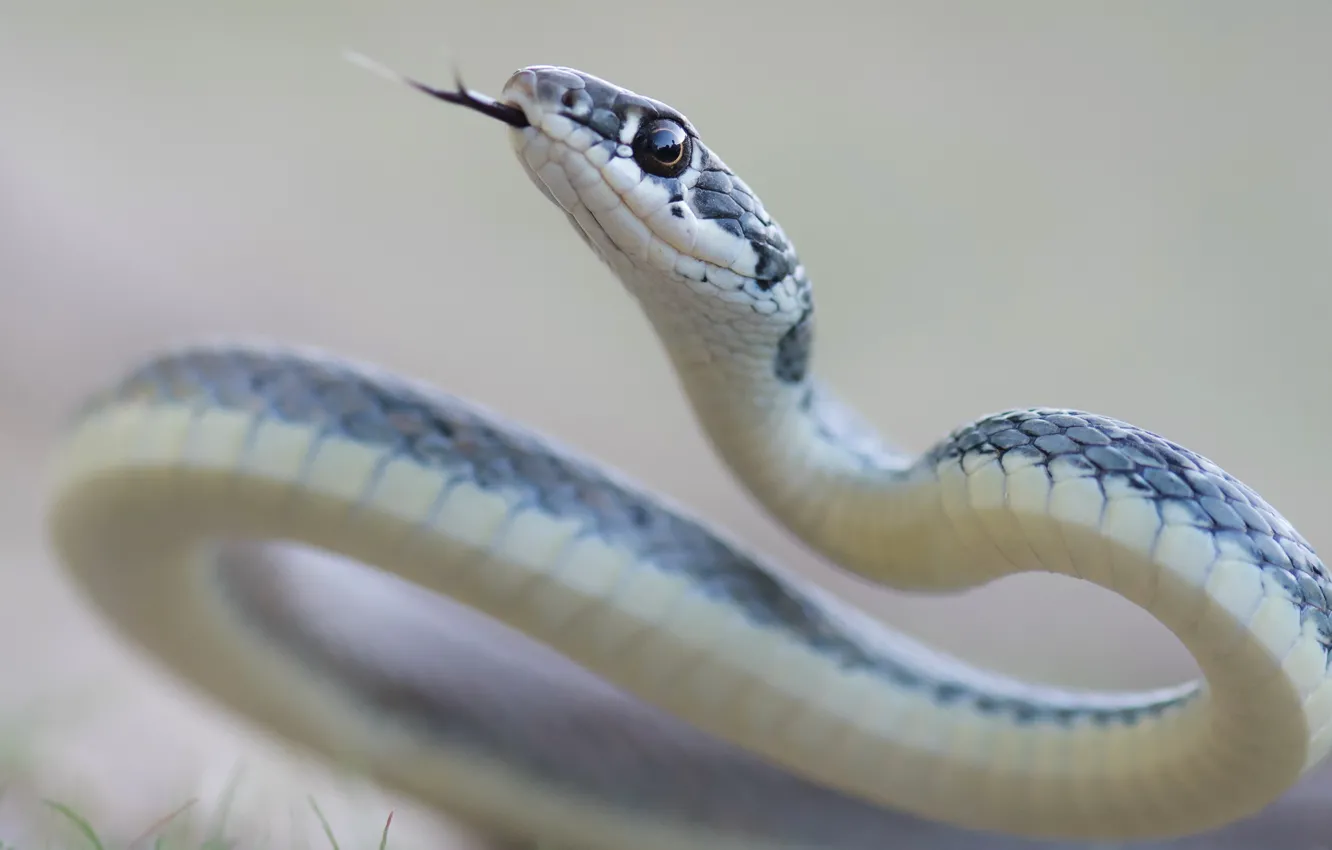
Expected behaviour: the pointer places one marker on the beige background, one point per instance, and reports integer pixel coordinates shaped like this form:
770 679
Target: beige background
1119 207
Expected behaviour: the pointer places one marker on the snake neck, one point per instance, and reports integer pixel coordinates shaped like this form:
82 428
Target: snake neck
791 443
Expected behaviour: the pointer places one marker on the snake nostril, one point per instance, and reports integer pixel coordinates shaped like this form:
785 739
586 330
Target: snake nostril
577 103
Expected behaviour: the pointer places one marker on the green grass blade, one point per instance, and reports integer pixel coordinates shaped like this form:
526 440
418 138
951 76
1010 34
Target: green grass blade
80 824
323 821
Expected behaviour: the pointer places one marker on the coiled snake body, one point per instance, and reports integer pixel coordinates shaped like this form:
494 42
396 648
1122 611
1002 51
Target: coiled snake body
199 448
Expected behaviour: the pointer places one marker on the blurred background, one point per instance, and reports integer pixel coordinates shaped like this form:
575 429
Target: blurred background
1125 208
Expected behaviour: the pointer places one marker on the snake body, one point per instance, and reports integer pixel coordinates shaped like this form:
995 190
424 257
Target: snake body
818 713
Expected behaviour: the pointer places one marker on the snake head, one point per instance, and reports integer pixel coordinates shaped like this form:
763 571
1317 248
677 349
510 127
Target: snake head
652 200
681 231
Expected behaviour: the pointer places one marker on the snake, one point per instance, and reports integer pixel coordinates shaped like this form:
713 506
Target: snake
734 704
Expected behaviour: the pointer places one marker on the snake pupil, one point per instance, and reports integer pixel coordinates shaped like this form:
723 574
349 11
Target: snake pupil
662 148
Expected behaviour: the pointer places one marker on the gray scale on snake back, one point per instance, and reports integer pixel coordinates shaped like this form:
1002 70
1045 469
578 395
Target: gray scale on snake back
441 432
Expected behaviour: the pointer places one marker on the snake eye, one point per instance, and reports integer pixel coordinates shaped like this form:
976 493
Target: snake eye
662 148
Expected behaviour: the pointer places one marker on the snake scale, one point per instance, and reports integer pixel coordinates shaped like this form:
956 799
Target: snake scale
770 714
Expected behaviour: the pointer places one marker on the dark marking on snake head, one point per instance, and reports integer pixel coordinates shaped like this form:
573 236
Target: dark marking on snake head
605 123
770 265
794 349
714 181
598 104
754 229
671 185
551 83
577 102
711 205
707 161
731 226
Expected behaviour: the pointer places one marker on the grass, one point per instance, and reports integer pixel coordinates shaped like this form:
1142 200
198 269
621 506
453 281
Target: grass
160 834
61 826
31 818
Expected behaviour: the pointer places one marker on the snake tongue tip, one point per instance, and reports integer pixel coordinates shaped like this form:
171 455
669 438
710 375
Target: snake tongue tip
373 67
